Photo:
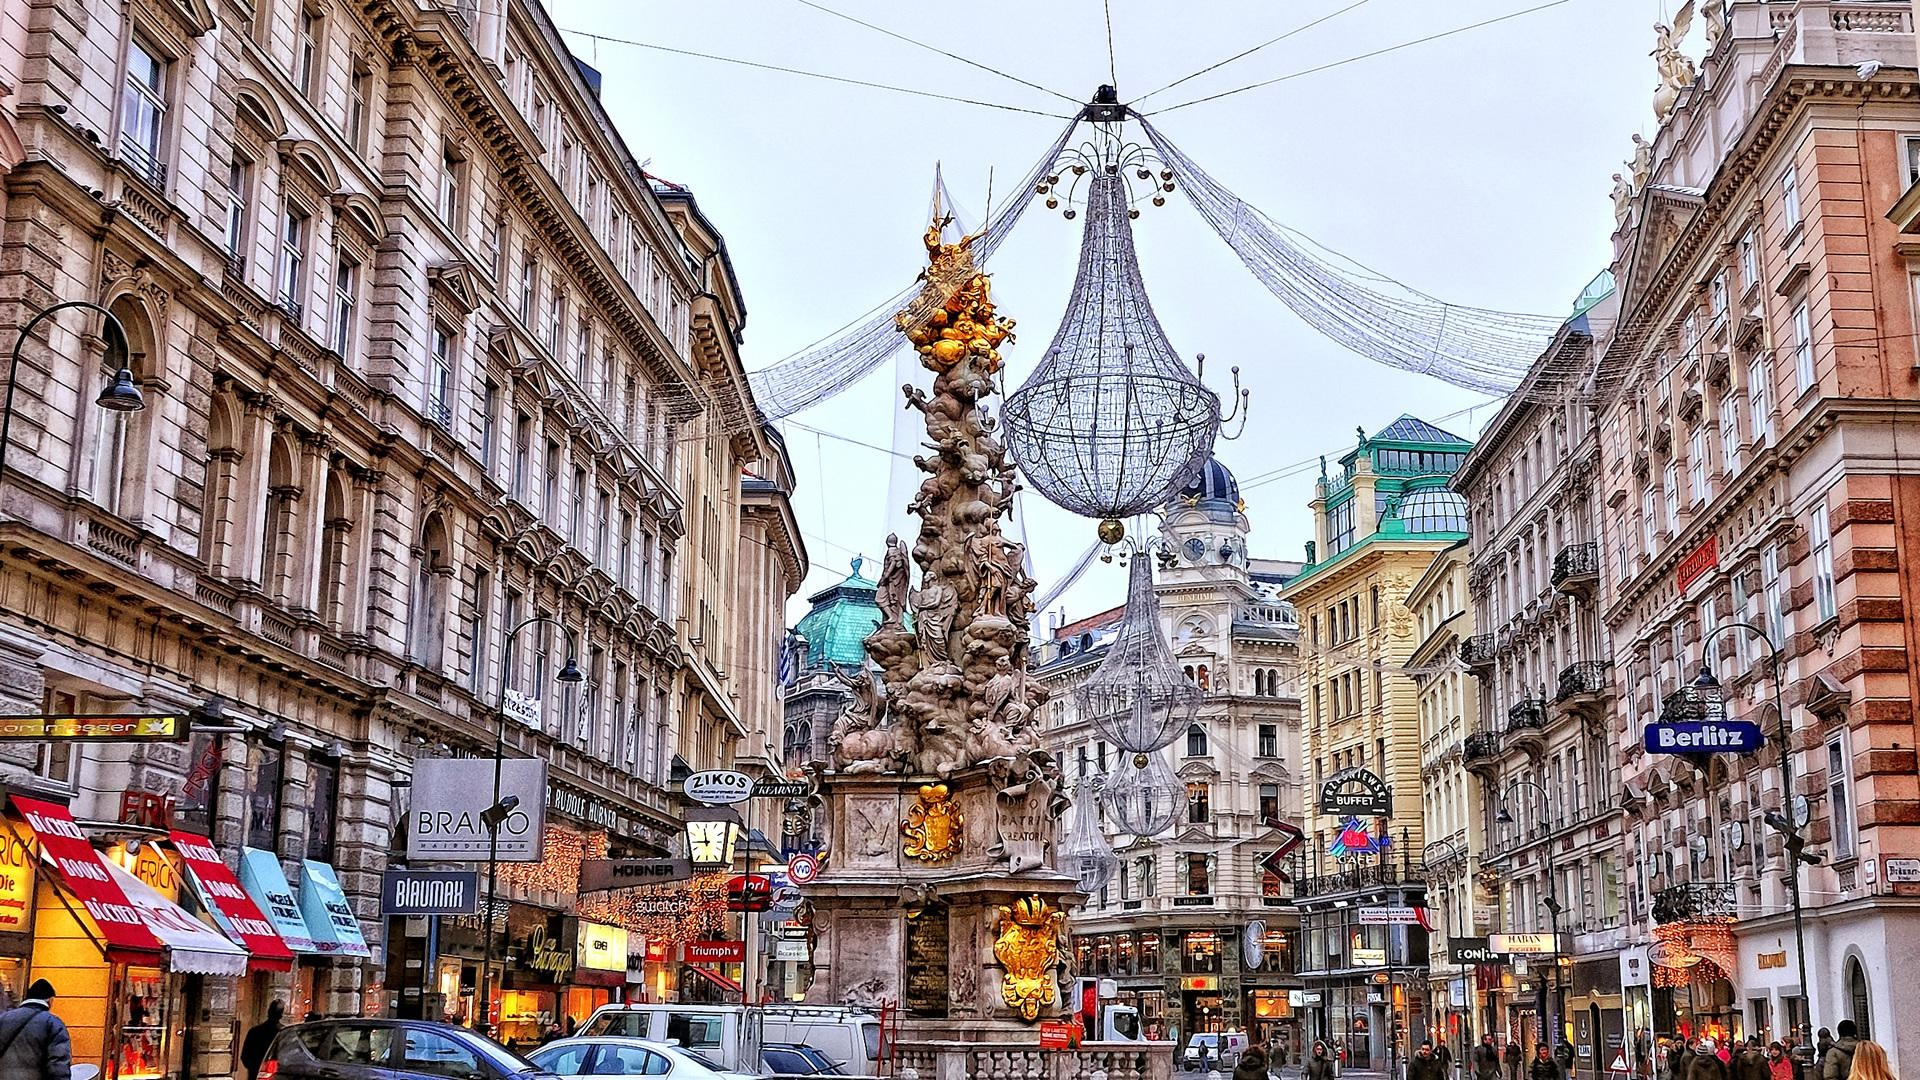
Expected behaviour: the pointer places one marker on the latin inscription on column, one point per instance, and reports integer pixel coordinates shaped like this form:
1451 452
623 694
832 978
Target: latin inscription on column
927 982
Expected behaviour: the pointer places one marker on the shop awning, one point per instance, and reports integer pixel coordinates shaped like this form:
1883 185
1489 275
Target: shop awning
232 908
124 933
329 918
266 883
193 948
717 979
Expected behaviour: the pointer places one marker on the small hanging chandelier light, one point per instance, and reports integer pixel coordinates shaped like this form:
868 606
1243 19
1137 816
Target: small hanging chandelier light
1087 852
1144 796
1137 698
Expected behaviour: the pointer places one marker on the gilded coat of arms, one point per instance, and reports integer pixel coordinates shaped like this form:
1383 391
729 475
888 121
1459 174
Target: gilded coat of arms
1028 946
933 825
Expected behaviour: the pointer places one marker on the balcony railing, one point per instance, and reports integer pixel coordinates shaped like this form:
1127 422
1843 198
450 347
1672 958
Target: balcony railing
1477 651
1696 901
1480 746
1526 715
1360 877
143 162
1581 678
1576 564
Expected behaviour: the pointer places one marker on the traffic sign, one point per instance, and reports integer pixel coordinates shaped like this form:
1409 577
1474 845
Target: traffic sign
749 892
1389 916
803 869
1704 737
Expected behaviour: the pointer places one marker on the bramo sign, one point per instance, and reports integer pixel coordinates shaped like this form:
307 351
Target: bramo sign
450 795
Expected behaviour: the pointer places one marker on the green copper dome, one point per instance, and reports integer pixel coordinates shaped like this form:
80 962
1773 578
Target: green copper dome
840 620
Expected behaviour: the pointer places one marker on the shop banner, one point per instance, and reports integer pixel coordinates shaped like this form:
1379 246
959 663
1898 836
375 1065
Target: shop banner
86 876
329 918
446 822
429 892
716 952
192 946
263 879
232 908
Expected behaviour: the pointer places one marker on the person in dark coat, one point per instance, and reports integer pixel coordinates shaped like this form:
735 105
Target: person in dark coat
1679 1060
1425 1065
1750 1062
1516 1058
1705 1063
1486 1060
1837 1062
1318 1066
1252 1064
253 1049
1445 1055
1544 1067
33 1042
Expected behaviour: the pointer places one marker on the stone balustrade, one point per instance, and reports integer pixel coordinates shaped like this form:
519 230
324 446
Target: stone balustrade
990 1061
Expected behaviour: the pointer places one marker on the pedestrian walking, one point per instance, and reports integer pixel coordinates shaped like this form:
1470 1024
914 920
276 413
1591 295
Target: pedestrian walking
1779 1065
1318 1065
33 1041
1253 1064
1822 1043
1870 1061
1425 1064
1544 1067
1704 1063
1486 1060
1516 1058
1837 1062
253 1049
1750 1062
1444 1055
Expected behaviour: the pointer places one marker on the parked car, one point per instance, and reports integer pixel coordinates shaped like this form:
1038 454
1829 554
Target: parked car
847 1035
353 1049
789 1060
615 1055
1219 1052
728 1034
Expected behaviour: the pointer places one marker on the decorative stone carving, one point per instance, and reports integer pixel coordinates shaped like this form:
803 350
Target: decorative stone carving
1028 947
1676 70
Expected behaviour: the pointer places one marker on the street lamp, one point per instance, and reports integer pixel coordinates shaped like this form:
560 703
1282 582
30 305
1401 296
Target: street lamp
1715 709
713 836
1549 999
120 394
496 814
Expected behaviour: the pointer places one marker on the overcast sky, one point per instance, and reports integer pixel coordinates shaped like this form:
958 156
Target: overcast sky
1475 167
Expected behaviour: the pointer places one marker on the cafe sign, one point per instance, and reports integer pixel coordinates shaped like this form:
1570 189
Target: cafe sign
169 727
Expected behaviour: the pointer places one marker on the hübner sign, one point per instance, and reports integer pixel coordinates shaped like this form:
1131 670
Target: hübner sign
450 797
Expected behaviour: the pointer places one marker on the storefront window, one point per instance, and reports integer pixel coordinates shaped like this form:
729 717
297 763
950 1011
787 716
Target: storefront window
1201 951
1277 952
263 801
1103 955
1123 955
143 1025
323 790
1149 954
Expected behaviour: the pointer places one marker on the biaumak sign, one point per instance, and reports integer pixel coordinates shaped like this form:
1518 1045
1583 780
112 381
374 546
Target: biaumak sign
1704 737
429 892
448 819
1356 793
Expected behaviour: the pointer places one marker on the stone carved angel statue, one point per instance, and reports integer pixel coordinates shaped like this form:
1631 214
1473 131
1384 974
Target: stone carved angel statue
1622 199
1676 70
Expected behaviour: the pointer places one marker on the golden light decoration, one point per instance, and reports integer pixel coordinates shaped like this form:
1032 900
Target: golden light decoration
676 913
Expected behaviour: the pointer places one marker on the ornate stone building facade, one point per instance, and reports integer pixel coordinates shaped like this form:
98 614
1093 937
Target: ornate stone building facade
424 355
1171 928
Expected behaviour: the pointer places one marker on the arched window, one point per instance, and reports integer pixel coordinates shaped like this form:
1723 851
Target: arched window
1196 741
121 459
1206 680
277 526
219 513
1859 1005
1259 683
433 574
1273 682
335 554
1188 672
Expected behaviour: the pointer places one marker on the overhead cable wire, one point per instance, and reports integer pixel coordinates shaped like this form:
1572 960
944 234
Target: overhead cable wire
1364 56
1250 52
815 74
915 42
1113 69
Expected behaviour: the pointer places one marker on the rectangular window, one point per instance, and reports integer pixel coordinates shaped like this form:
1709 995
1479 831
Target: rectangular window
602 525
577 516
1199 881
1670 496
263 799
1717 295
481 606
1742 640
293 260
1759 400
529 288
1649 520
502 244
646 571
359 95
346 290
452 175
306 71
626 551
510 650
440 378
143 111
582 358
550 502
557 323
239 194
1820 533
1910 156
522 455
1199 812
323 801
1790 197
1773 589
1697 464
1729 434
1269 803
1802 347
1840 799
1749 259
489 425
1269 740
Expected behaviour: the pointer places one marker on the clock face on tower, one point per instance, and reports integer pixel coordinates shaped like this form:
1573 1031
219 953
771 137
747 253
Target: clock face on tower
1196 549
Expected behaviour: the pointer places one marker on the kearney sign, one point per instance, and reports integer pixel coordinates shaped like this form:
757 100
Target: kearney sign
1704 737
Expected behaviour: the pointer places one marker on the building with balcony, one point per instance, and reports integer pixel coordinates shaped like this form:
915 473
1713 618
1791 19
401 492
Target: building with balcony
1173 927
1543 750
424 356
1452 817
1378 525
1760 382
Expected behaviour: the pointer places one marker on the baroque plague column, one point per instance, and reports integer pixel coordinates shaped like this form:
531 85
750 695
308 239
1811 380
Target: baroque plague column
943 807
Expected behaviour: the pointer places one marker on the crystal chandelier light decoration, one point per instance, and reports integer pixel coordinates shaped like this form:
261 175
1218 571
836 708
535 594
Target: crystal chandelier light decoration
1137 699
1144 796
1087 852
1111 423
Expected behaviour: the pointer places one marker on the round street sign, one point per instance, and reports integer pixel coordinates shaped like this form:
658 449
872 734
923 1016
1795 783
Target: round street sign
803 869
718 787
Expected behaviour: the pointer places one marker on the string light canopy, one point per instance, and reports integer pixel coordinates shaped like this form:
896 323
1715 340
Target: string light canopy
1137 698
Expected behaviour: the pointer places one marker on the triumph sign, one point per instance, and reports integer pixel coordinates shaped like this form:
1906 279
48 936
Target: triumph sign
446 822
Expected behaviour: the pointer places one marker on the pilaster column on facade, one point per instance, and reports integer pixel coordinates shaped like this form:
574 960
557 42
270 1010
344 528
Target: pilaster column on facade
357 573
307 552
387 534
249 523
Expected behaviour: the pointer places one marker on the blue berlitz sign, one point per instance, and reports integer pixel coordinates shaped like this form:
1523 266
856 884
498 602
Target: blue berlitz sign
1704 737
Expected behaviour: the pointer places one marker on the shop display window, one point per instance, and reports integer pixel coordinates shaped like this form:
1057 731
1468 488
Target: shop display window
142 1051
13 974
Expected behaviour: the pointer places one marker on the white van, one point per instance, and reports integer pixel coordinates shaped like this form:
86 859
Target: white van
728 1034
849 1036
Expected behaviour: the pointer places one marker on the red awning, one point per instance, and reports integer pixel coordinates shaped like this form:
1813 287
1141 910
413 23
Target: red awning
716 978
232 908
66 848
